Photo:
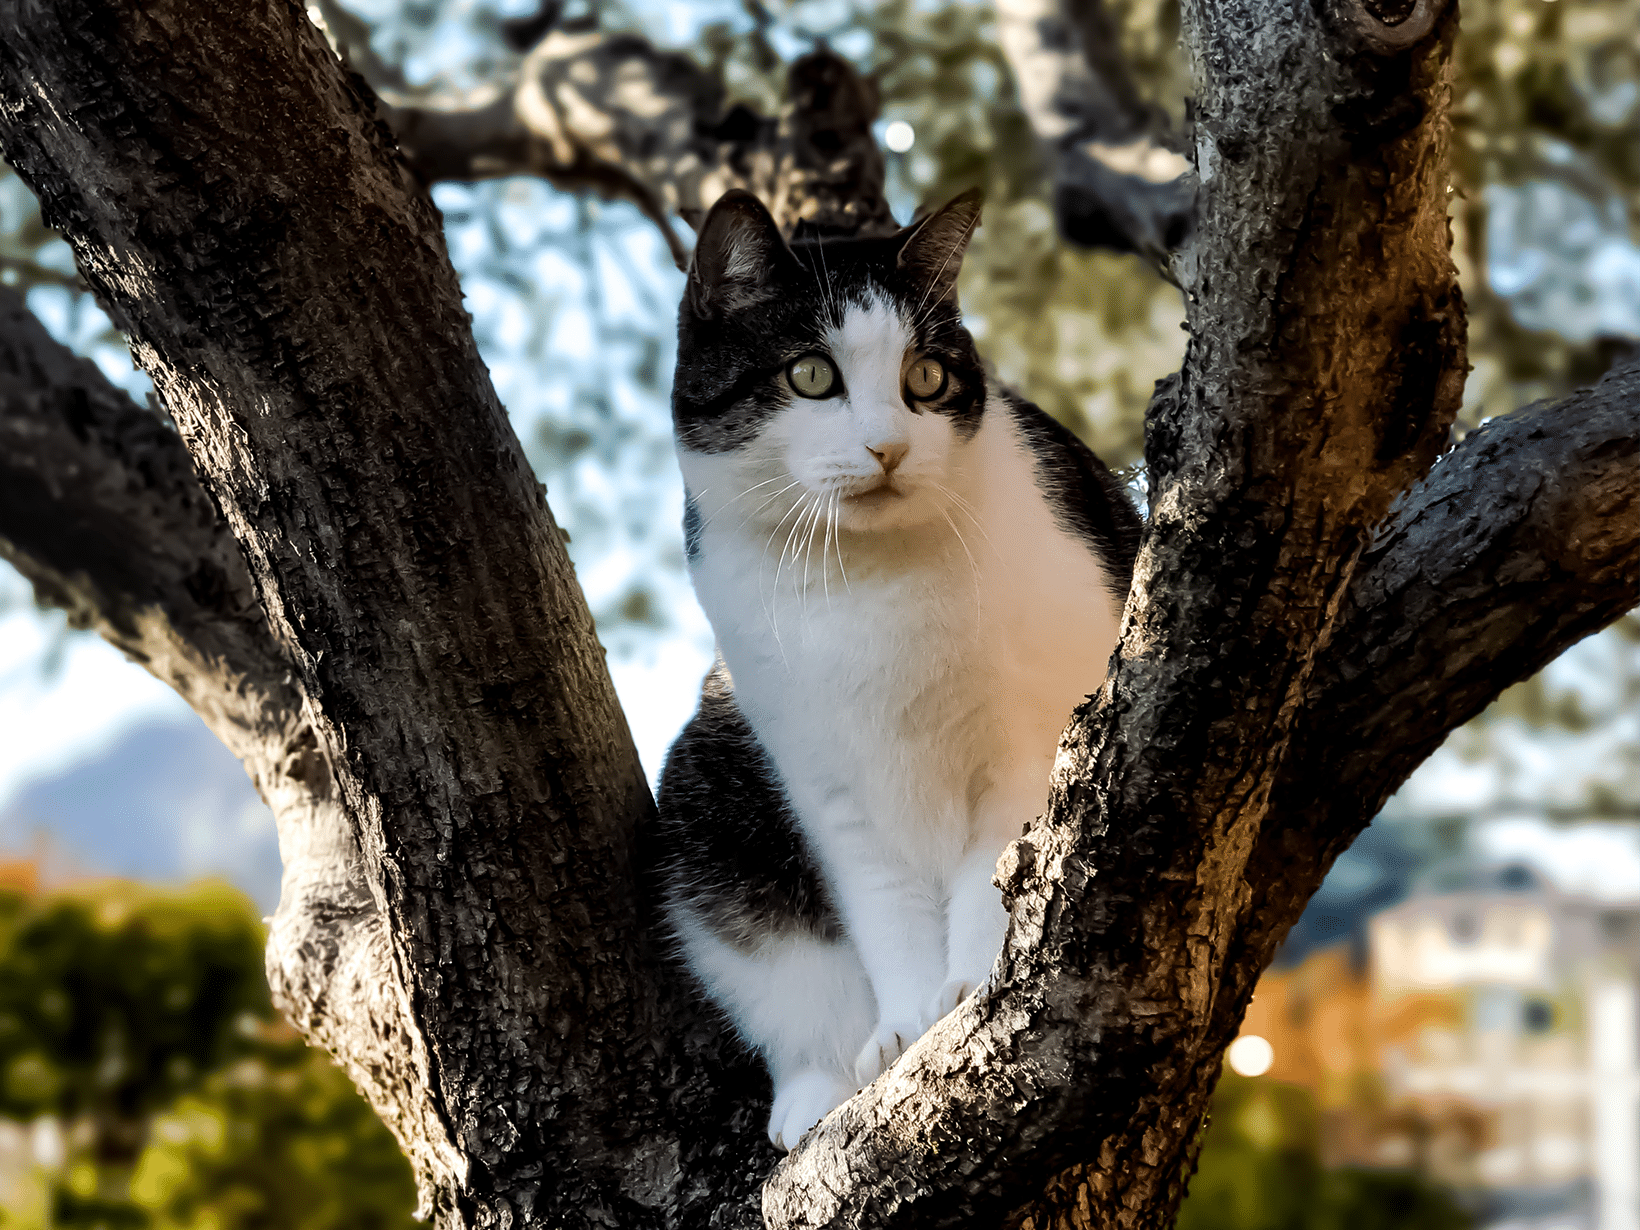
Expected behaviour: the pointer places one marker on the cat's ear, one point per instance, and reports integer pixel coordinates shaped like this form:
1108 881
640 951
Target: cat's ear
736 255
933 248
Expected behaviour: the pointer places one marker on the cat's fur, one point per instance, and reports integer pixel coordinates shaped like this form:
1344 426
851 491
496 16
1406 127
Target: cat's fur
909 598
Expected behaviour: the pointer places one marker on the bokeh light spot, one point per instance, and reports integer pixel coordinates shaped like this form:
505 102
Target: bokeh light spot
1250 1055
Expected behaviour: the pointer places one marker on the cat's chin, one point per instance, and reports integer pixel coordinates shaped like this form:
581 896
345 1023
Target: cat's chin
882 508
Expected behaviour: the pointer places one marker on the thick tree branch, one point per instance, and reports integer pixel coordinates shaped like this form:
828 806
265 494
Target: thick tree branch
1324 367
294 305
1119 181
1520 542
101 511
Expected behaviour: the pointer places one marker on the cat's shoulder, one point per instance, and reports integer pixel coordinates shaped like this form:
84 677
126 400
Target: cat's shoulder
1087 500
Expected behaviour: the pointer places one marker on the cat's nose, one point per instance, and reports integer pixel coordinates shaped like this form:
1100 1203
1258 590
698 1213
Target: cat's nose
889 454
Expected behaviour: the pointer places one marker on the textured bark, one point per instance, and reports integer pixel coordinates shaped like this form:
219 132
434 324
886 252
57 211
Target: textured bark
100 509
488 974
397 648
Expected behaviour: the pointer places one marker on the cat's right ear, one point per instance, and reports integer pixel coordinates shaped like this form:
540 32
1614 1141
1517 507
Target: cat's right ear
933 249
735 256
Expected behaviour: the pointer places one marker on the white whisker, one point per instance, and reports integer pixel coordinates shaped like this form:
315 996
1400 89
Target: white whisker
808 552
967 510
825 545
825 286
781 563
731 503
836 516
769 501
771 601
971 562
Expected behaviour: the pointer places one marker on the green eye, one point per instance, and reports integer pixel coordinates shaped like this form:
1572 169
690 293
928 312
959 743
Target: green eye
812 376
925 378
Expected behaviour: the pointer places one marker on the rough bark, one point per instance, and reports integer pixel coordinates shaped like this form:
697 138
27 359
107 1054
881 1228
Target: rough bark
100 509
486 972
401 655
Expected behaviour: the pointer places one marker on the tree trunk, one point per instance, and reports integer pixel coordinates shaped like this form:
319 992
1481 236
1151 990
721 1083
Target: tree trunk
365 594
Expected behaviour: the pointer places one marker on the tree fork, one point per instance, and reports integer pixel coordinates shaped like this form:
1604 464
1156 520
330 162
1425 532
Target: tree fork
1291 650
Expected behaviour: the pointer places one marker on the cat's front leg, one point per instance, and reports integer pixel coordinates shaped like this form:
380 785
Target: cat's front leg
898 925
978 925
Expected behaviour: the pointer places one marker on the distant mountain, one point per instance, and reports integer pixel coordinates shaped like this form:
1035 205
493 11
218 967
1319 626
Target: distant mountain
166 803
169 803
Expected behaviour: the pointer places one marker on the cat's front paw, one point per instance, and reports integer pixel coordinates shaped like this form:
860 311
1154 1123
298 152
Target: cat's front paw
948 997
802 1102
886 1044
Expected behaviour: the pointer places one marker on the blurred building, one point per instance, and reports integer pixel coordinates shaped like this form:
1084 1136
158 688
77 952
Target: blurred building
1486 1037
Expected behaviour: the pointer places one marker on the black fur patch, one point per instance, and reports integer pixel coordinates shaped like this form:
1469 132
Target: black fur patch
732 360
729 845
1086 498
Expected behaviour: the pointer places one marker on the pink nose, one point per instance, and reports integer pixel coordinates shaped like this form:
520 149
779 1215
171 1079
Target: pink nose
889 455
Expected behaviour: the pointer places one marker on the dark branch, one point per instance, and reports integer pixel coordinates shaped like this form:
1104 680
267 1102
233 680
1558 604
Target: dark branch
1520 542
1119 180
462 918
613 115
100 509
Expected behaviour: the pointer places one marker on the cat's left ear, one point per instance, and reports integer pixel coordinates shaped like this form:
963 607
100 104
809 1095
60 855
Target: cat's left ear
933 248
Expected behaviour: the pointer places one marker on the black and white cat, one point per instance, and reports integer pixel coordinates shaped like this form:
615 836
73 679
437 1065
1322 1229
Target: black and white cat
913 580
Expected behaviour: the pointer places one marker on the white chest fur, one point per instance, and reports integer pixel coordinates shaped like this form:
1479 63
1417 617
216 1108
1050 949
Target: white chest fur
910 684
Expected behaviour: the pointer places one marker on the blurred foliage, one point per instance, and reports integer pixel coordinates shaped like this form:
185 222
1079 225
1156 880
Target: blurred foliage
112 1006
137 1035
1564 745
1546 93
1259 1170
256 1131
281 1141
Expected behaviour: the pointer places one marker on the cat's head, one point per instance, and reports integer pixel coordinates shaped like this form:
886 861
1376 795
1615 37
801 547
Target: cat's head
832 372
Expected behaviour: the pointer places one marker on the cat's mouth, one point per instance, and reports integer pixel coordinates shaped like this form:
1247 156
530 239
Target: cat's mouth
871 492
